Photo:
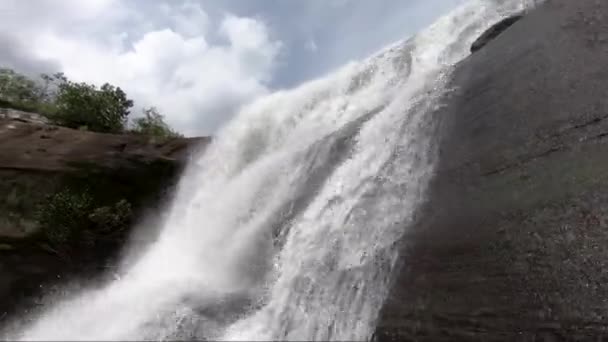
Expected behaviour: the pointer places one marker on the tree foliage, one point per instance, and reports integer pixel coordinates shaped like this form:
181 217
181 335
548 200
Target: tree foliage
101 110
64 214
78 105
72 219
153 124
15 87
50 85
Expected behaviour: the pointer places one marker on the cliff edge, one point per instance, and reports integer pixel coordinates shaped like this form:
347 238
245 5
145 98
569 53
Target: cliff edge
76 179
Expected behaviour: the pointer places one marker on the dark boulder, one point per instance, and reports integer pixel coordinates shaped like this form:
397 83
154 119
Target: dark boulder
494 32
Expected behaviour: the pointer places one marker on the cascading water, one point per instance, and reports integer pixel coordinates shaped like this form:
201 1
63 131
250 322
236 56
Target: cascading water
285 228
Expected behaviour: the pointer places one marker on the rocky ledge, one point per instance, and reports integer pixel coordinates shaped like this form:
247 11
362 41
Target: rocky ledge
39 161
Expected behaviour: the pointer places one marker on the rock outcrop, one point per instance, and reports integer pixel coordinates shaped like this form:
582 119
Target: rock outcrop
511 243
38 160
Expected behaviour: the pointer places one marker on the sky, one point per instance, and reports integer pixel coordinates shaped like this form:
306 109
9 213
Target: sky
199 61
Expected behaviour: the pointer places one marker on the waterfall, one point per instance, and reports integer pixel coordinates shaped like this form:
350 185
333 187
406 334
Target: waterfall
285 228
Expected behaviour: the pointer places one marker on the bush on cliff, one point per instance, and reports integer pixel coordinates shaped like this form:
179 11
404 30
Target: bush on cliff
71 220
15 87
22 93
78 105
63 213
100 110
153 124
65 102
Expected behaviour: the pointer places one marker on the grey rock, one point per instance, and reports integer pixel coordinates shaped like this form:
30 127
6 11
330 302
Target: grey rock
511 242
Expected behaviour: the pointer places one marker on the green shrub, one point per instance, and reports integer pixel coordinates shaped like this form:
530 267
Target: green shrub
70 220
64 215
45 109
111 219
78 105
22 93
153 124
65 102
17 88
100 110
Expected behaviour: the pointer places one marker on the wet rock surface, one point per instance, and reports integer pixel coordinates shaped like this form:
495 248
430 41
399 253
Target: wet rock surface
511 243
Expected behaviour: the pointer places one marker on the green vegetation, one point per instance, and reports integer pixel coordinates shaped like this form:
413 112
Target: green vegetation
20 92
78 105
84 213
17 88
71 219
89 210
83 105
153 124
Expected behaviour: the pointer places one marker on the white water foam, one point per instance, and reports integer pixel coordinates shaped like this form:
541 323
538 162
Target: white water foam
285 228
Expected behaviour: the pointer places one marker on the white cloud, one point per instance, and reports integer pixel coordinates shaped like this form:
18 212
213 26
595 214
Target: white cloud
23 18
188 18
312 45
196 59
197 85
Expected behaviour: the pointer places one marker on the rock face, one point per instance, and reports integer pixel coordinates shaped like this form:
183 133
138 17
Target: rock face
494 31
37 160
511 243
